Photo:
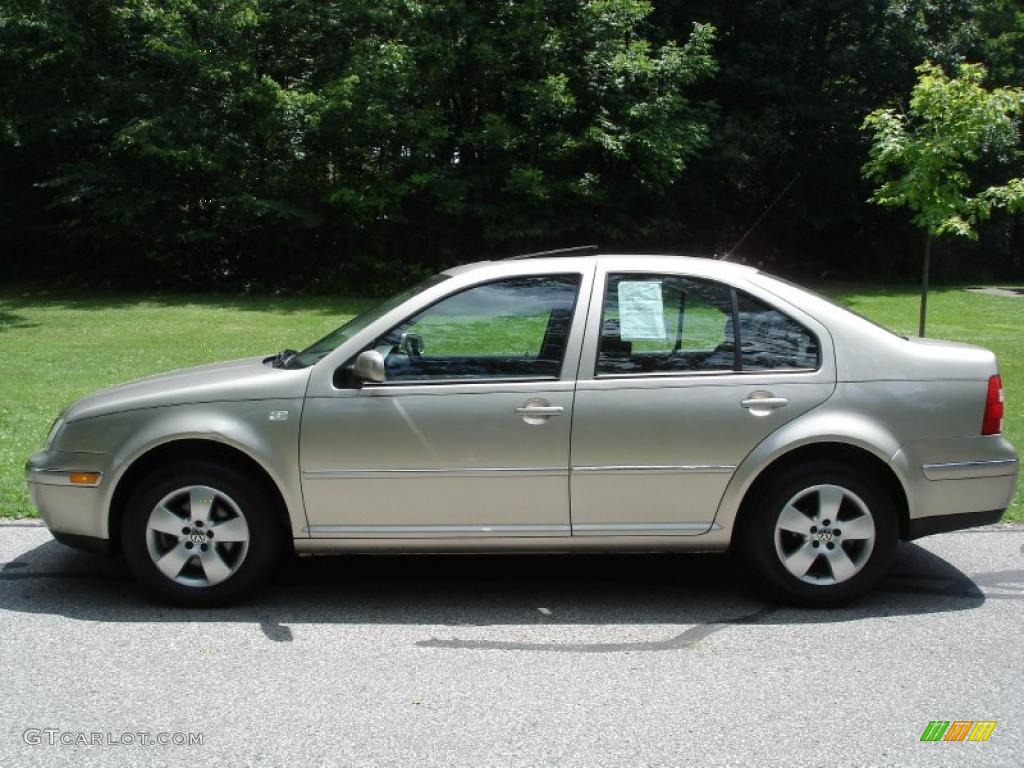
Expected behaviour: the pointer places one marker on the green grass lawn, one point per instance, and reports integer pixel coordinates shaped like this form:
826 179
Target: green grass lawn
56 348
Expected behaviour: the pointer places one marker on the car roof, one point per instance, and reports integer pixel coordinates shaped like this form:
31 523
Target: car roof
700 264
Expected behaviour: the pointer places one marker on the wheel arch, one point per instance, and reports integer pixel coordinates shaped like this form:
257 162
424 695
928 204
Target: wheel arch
845 436
844 453
191 448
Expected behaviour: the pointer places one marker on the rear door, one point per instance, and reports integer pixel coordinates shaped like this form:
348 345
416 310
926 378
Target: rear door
667 405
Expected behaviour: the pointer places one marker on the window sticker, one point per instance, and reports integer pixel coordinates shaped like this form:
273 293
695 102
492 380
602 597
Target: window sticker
641 311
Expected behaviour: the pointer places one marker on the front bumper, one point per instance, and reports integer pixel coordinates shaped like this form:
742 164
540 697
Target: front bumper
75 514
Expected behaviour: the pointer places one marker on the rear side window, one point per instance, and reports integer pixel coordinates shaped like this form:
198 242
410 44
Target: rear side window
664 323
770 340
673 324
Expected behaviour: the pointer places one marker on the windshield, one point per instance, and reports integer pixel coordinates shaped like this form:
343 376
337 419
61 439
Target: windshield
320 349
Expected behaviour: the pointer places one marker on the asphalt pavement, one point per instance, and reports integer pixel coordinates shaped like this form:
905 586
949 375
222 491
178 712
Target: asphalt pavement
589 660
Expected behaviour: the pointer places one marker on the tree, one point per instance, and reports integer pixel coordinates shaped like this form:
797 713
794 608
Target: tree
794 83
212 143
353 144
485 127
922 159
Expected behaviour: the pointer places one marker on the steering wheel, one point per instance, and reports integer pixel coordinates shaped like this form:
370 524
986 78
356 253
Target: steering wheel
412 345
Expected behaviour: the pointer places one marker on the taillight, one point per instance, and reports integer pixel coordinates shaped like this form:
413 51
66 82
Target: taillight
992 424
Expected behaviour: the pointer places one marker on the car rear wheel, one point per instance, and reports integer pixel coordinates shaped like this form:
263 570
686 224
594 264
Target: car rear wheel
200 535
820 535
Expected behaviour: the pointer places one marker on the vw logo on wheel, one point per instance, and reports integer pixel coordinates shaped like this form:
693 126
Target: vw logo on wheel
197 537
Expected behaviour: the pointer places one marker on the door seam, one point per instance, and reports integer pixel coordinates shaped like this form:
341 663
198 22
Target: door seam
575 386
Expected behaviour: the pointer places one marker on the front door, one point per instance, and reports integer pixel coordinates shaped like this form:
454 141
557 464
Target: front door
469 434
689 375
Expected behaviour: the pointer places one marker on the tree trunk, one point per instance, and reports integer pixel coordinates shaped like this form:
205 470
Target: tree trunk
924 282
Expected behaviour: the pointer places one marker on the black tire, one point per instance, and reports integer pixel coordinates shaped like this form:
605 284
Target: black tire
757 535
265 533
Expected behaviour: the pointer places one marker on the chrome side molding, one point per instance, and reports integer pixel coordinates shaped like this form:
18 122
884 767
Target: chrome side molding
651 469
960 470
402 531
329 474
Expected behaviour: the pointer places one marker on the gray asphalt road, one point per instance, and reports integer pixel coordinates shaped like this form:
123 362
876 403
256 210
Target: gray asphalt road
475 661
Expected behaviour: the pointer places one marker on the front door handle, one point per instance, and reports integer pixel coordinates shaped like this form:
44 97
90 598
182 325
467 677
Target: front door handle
538 411
763 403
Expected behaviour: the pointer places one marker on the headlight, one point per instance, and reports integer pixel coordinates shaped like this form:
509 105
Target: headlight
58 423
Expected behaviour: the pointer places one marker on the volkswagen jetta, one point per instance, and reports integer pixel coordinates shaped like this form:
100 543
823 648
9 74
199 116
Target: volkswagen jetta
559 402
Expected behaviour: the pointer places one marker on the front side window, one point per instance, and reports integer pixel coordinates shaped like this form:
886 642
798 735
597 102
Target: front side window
674 324
508 329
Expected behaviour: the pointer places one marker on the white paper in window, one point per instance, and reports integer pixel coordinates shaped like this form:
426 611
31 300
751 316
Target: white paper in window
641 311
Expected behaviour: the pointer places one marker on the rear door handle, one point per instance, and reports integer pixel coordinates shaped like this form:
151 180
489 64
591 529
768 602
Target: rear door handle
764 403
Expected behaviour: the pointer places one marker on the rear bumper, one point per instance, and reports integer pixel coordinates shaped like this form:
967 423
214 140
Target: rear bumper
956 483
926 526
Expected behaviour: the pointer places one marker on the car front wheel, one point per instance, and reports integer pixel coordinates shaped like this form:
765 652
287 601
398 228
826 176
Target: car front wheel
821 535
200 535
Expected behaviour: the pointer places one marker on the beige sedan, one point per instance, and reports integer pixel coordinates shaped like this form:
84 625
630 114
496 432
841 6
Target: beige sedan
556 402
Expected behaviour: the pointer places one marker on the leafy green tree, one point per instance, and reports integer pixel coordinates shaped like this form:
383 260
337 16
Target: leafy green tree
921 159
282 143
794 83
210 143
512 123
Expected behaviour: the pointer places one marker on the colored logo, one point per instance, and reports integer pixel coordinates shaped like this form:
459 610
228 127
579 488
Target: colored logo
958 730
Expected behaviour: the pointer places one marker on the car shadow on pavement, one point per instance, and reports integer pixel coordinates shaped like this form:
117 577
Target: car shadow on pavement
695 595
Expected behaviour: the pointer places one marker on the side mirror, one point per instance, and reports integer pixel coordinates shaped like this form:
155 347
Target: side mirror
369 366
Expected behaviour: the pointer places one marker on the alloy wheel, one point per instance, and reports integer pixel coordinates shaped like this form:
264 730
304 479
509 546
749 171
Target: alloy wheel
197 536
824 535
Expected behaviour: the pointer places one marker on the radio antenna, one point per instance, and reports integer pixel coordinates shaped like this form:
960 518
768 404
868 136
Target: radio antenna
764 213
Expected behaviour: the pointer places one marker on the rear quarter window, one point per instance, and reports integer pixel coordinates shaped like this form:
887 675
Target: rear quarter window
770 340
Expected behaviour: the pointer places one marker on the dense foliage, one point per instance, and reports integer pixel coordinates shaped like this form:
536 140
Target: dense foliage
353 144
